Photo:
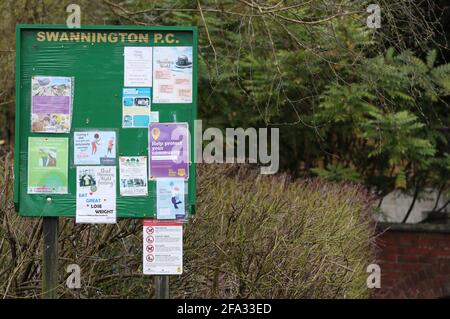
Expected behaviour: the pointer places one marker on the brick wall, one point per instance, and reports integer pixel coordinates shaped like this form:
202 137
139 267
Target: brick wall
414 261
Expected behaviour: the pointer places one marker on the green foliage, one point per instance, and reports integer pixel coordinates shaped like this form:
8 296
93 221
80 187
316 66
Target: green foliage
386 116
441 76
401 180
395 135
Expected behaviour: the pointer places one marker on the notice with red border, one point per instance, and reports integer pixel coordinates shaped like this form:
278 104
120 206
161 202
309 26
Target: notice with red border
162 247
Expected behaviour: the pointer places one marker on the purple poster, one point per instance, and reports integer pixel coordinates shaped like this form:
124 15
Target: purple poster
168 150
51 104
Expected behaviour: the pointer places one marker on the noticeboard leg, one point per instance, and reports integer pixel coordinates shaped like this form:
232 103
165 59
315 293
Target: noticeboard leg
50 258
162 287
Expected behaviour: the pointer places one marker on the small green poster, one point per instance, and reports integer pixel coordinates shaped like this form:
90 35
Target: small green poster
48 165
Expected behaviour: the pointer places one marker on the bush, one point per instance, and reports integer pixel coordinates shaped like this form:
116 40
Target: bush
253 236
270 237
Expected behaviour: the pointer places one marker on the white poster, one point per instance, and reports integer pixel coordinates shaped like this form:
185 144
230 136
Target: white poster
96 194
172 73
170 198
137 66
162 248
133 175
94 148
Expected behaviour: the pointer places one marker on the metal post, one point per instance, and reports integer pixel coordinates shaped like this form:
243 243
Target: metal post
50 258
162 287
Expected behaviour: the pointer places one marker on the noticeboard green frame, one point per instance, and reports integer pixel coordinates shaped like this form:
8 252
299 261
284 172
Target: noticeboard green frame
97 69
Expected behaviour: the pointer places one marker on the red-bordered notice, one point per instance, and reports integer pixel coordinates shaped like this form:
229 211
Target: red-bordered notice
162 247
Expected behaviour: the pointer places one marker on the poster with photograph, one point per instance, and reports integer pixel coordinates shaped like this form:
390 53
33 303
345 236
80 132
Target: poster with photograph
162 247
94 147
47 165
133 175
172 75
96 194
138 66
136 107
51 104
168 150
170 198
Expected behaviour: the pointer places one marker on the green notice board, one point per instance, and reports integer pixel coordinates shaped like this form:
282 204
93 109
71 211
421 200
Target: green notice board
93 57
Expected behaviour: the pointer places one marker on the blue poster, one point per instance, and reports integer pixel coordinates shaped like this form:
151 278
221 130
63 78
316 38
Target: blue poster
170 198
136 107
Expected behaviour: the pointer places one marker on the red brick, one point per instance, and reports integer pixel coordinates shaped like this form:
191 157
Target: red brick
433 242
408 258
392 248
440 252
416 251
413 265
407 242
387 283
408 267
387 256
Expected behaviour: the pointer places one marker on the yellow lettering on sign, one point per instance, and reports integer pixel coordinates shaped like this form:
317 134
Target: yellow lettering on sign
52 36
122 36
170 38
40 36
132 37
101 37
143 37
75 36
64 37
112 37
85 37
157 37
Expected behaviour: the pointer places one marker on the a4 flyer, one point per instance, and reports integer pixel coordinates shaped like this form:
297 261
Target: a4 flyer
133 175
96 194
161 75
51 104
168 150
48 165
163 247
